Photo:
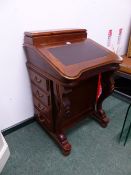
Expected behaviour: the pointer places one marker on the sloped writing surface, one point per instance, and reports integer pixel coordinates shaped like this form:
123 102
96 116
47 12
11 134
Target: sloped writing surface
72 60
78 52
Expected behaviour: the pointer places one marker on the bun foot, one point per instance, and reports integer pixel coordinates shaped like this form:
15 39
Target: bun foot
64 144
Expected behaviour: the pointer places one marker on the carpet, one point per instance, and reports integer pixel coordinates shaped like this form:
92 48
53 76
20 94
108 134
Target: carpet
95 150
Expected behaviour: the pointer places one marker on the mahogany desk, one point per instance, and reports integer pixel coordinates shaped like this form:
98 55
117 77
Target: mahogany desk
64 66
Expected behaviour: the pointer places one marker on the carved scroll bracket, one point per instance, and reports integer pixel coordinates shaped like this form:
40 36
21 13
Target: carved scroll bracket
66 106
107 82
62 100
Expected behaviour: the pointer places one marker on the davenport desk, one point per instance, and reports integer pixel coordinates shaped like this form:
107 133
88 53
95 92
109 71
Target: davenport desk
64 67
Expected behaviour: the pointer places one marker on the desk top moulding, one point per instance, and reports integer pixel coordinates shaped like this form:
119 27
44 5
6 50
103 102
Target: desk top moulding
64 66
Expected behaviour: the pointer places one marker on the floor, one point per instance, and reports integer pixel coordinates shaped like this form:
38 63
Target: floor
95 150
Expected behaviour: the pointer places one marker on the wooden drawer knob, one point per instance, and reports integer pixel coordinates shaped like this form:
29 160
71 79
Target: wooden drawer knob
38 94
38 80
41 107
41 118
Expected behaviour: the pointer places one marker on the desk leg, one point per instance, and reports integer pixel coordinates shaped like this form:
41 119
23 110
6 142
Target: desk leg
58 136
62 104
107 88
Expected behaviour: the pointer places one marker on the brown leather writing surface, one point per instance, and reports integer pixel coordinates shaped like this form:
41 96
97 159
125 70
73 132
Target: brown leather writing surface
77 52
71 60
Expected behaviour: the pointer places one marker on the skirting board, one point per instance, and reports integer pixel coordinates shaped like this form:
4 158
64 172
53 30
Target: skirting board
17 126
4 152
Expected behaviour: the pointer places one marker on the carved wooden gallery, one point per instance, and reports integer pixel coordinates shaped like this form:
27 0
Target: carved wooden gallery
64 68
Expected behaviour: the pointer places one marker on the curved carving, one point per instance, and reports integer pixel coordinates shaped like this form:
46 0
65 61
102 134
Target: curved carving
107 83
62 101
67 106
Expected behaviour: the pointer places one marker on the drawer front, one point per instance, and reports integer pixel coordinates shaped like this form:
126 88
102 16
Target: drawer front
43 119
43 110
43 97
40 81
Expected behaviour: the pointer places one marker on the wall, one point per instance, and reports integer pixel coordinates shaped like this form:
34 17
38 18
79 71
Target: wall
19 16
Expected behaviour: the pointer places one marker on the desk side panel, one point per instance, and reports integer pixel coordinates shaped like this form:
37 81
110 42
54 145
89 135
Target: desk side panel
39 61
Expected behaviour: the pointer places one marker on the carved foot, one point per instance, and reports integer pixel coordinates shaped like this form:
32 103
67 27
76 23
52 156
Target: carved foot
64 144
101 117
60 137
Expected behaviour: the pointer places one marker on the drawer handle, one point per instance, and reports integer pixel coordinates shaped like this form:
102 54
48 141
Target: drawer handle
38 80
41 118
41 107
38 94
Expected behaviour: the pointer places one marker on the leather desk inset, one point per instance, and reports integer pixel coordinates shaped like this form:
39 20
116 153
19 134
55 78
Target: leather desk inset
80 51
64 67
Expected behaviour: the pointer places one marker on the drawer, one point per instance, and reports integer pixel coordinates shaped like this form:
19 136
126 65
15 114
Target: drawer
39 80
43 119
42 108
43 97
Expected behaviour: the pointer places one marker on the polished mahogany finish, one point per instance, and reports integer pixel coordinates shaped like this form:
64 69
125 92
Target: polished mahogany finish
64 66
